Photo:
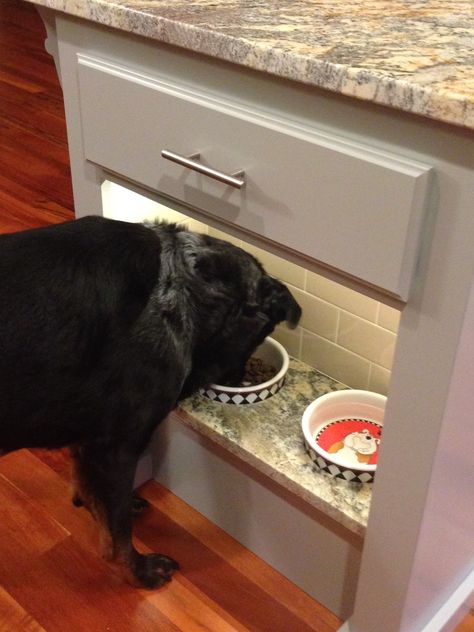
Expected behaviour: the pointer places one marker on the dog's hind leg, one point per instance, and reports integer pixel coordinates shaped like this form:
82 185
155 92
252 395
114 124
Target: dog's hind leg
105 480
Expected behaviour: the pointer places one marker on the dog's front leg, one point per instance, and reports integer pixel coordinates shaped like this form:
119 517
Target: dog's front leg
104 479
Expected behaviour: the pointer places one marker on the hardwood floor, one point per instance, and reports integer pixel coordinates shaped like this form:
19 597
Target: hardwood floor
51 578
467 624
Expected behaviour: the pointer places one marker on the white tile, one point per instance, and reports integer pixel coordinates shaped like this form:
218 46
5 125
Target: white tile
366 339
379 379
219 234
194 225
389 318
318 316
341 296
338 363
289 338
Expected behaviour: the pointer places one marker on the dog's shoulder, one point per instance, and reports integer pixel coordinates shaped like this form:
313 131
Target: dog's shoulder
124 254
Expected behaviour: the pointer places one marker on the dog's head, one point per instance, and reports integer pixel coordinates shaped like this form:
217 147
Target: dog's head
244 304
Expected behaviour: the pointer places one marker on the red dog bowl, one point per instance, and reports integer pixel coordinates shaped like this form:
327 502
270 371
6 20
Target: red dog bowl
342 432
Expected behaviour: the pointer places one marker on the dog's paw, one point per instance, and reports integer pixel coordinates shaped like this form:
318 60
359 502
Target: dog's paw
153 570
138 505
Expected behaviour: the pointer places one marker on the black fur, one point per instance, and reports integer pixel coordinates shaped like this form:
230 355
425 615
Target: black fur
104 327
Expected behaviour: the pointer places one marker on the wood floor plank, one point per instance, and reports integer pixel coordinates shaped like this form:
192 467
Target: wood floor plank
11 79
467 624
17 215
52 493
58 460
23 162
45 123
13 618
191 610
30 208
68 588
26 530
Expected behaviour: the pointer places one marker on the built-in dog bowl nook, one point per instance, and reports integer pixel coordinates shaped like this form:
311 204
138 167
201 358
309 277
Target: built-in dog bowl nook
246 467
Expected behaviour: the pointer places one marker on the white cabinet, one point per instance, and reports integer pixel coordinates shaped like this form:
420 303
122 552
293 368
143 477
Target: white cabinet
349 206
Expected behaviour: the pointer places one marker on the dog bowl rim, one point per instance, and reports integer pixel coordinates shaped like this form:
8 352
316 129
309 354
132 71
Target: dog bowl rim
255 388
342 395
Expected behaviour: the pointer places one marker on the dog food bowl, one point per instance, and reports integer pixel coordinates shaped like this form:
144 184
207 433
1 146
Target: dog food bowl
271 352
342 432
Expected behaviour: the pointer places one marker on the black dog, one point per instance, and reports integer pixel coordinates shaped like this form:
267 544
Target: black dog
104 327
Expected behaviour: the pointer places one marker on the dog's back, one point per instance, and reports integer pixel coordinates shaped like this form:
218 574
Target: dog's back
68 293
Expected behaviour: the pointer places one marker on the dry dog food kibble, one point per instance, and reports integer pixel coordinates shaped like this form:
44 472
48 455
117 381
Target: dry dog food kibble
256 372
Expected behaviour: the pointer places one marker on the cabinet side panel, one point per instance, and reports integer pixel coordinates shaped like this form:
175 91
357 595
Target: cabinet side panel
447 527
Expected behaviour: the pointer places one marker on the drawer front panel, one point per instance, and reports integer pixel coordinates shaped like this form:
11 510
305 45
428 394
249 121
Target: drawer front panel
340 203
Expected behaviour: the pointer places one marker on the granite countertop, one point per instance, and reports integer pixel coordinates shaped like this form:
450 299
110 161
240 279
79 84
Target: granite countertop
416 56
268 436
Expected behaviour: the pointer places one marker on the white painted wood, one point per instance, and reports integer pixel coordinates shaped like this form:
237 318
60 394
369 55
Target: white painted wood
144 471
51 42
353 208
448 520
87 178
312 551
403 519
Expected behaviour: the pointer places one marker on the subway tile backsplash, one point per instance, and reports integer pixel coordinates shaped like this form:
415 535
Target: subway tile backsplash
342 333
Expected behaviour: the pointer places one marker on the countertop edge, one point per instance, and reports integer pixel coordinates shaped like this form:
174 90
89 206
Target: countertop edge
362 84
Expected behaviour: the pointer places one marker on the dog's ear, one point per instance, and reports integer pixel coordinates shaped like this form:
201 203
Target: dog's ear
278 303
238 273
212 265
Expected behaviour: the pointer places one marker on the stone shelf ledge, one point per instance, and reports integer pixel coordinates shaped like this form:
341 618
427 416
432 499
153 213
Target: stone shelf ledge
268 437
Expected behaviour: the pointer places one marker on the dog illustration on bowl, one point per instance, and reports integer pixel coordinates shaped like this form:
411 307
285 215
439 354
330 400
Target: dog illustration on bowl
356 447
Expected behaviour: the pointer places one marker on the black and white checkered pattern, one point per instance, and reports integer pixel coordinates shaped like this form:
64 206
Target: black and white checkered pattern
239 399
331 469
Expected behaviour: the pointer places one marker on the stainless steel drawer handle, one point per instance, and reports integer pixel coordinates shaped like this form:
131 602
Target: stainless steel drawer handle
235 180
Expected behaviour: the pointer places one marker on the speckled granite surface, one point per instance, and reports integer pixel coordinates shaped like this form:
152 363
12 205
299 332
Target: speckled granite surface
268 436
416 56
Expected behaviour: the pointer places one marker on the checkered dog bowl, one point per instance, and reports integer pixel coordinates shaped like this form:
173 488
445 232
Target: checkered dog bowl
342 431
271 352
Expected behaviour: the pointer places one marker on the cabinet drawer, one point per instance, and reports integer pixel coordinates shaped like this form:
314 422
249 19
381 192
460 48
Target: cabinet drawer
343 204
